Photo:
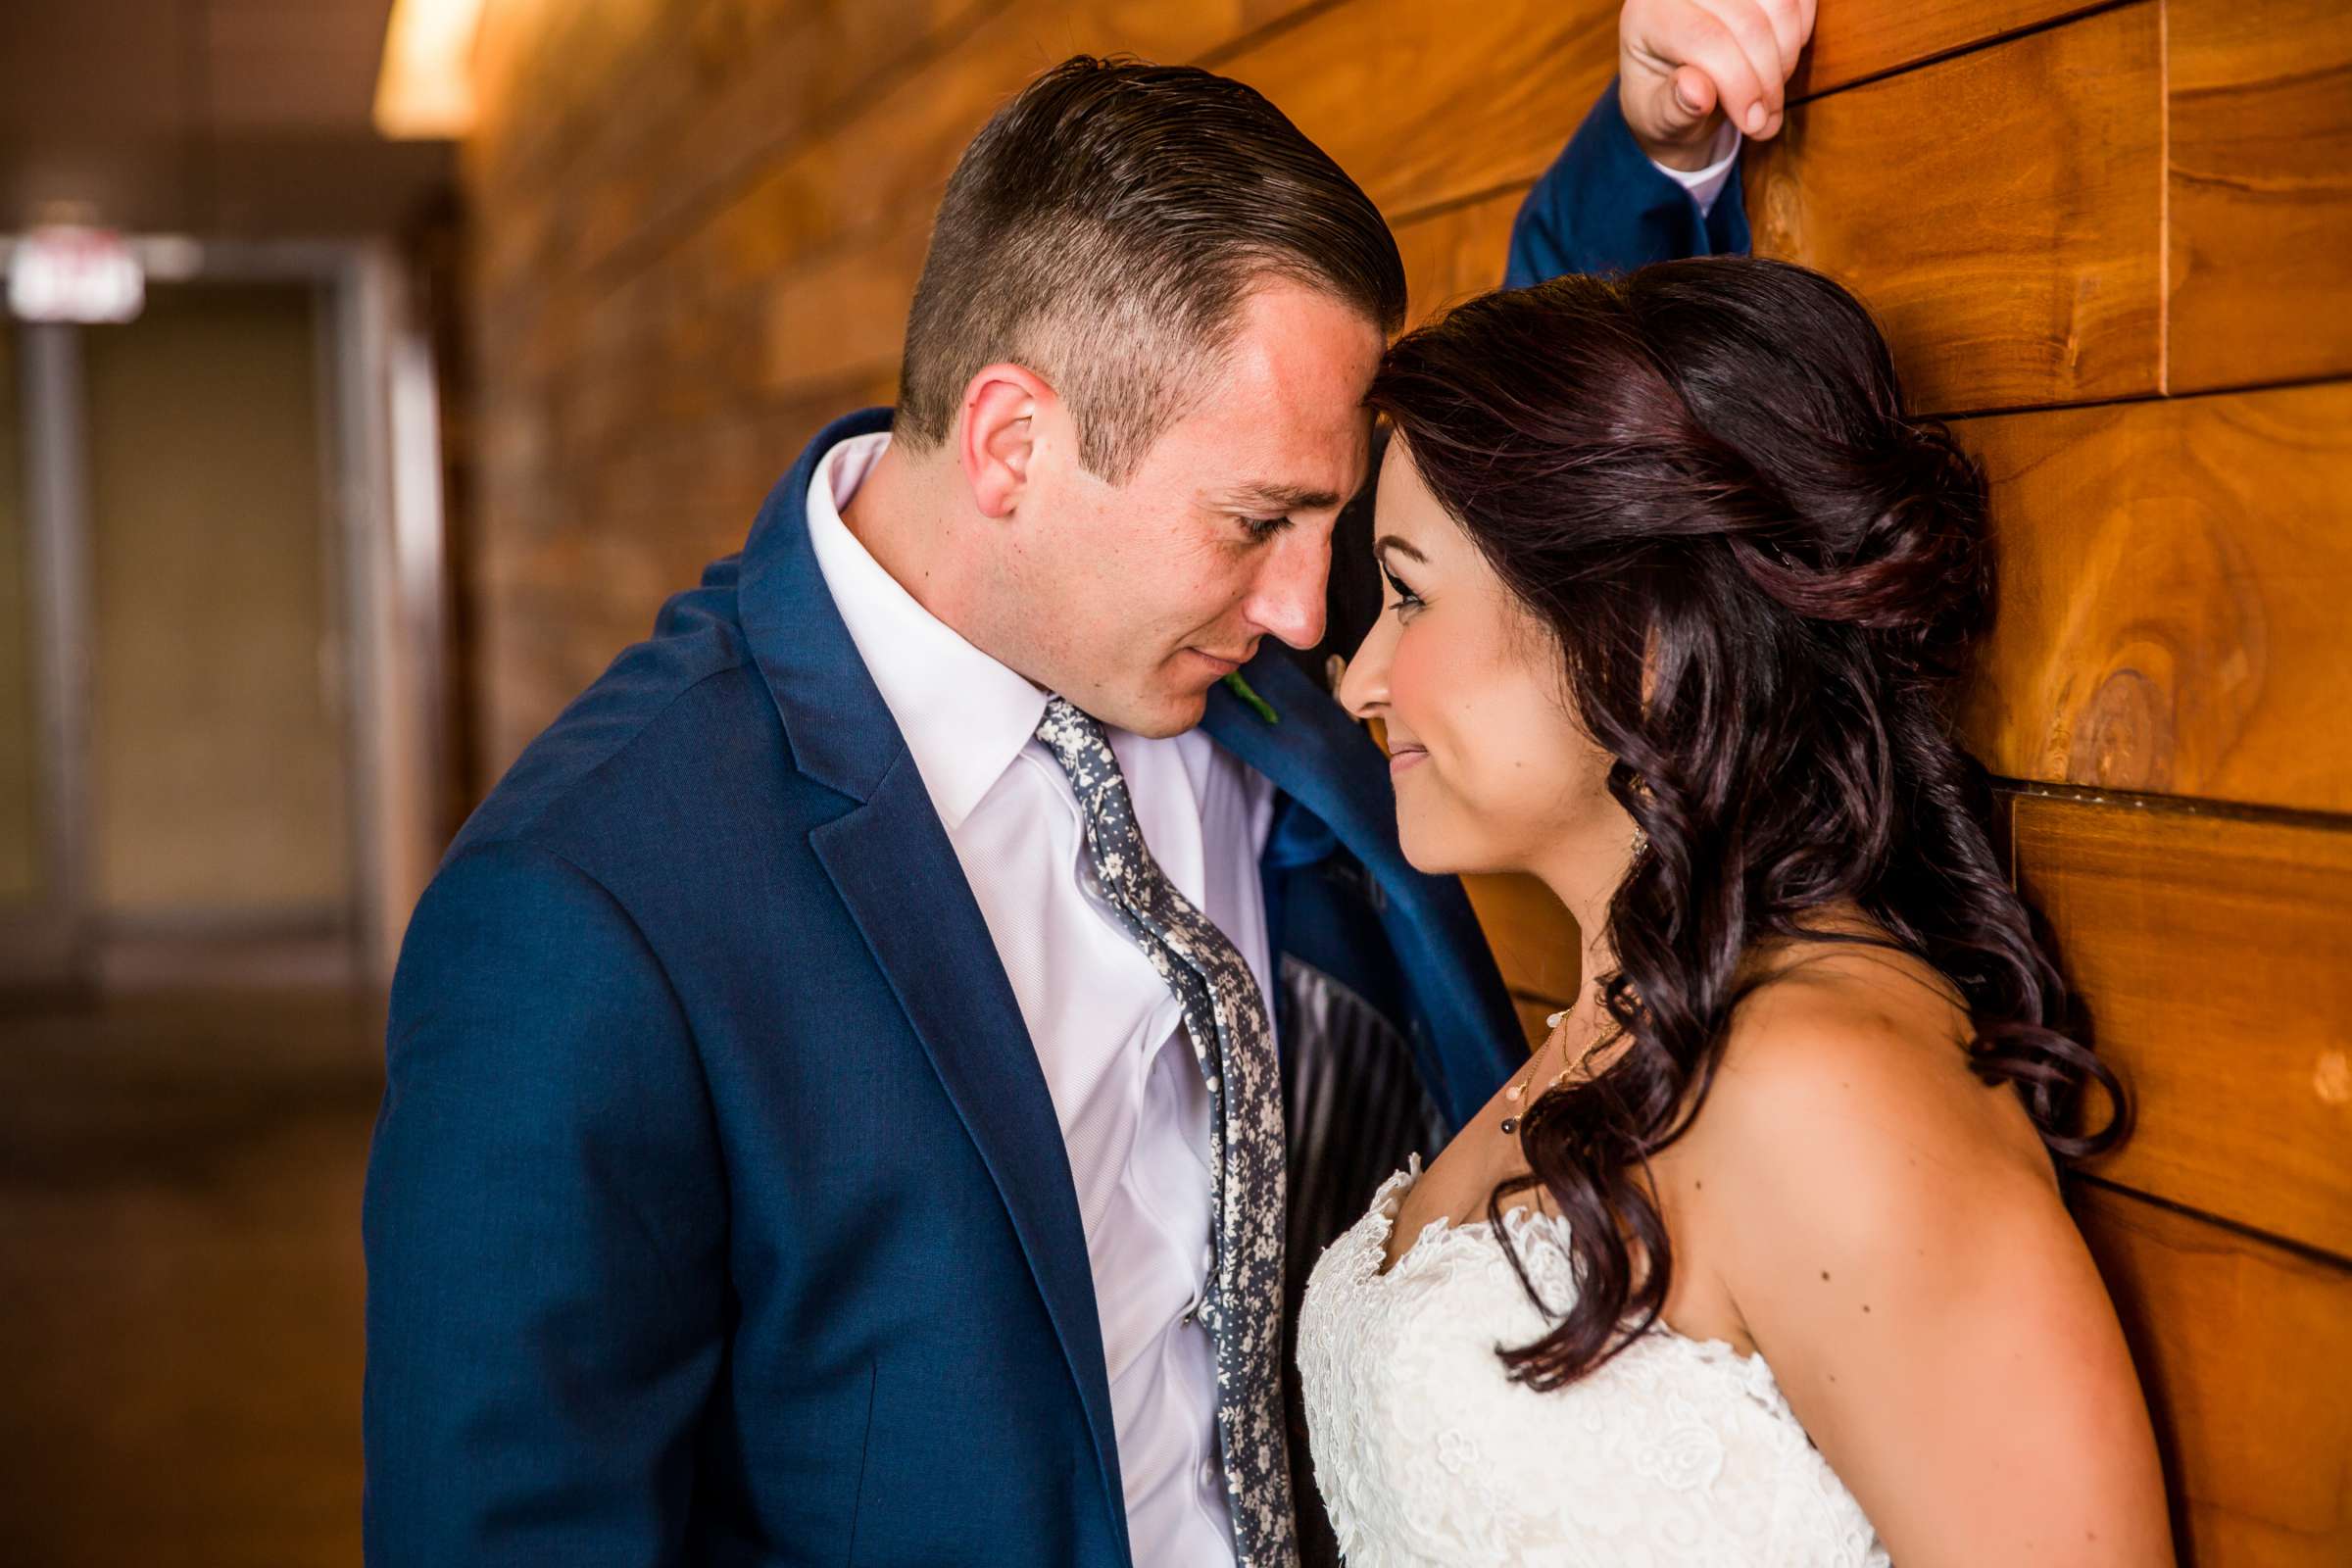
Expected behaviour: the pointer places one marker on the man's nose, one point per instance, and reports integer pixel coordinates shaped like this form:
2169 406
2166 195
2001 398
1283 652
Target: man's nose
1288 598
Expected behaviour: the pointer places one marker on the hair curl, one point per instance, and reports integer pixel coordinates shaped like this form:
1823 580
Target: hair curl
1763 578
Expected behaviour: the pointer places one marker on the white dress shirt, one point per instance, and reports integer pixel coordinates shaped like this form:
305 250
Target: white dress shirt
1705 185
1108 1030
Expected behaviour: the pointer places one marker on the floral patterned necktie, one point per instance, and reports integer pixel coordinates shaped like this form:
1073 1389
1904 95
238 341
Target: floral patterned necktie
1225 1014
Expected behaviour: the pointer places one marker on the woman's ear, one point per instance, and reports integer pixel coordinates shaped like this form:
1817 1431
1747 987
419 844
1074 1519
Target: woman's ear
996 434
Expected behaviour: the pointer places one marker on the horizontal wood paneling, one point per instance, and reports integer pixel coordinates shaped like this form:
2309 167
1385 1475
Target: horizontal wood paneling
2215 958
2174 577
1853 41
2260 98
586 556
726 95
633 265
715 93
541 70
1457 251
1457 248
2242 1349
1426 103
812 267
1999 212
1422 118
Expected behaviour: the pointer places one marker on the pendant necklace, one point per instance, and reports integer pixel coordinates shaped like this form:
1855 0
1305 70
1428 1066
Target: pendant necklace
1517 1092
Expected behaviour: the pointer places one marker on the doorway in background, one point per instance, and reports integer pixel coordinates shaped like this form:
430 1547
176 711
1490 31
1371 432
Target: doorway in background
219 775
221 599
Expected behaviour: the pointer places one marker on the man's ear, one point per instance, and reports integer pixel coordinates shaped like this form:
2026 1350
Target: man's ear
996 434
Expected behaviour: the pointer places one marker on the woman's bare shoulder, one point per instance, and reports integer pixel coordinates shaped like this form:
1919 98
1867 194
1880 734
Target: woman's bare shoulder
1855 1059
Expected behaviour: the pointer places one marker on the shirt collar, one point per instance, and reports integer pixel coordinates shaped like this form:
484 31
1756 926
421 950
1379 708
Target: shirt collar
964 715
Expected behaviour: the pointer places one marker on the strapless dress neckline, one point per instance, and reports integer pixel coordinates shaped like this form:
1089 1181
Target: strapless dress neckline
1678 1450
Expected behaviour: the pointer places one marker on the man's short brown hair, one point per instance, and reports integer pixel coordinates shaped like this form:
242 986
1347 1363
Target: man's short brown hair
1104 228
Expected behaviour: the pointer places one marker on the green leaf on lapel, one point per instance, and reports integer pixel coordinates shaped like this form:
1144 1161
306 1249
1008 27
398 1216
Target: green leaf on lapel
1257 703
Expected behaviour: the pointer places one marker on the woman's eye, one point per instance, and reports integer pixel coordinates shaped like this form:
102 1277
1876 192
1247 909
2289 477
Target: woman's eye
1406 599
1263 529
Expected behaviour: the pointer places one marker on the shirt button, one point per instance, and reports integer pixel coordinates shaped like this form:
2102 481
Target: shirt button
1209 1260
1191 1309
1209 1475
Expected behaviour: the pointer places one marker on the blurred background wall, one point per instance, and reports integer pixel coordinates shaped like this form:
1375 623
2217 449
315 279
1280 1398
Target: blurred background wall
225 768
219 708
2112 241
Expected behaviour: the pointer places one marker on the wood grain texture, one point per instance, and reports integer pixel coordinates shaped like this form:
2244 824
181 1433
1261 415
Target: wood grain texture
2242 1348
2260 98
1402 95
1456 251
585 557
1535 940
2215 960
539 68
870 180
1999 212
2172 583
1854 41
1424 104
605 131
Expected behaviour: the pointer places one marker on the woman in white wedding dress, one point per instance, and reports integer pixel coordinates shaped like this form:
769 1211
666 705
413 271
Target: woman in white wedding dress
1762 1259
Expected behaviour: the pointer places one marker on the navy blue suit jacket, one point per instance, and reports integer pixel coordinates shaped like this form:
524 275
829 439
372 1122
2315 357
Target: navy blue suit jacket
717 1212
1604 207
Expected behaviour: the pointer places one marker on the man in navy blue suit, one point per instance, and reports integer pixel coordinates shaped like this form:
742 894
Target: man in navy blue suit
797 1149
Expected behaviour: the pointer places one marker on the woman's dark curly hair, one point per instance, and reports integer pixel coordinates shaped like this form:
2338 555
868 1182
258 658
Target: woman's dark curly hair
1763 578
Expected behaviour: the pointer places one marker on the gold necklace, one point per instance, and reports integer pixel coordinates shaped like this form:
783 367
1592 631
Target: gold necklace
1517 1092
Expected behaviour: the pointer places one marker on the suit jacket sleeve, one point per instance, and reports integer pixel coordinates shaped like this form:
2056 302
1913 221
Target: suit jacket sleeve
1604 206
545 1226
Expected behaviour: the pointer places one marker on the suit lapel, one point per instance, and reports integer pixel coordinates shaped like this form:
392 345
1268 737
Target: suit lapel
898 875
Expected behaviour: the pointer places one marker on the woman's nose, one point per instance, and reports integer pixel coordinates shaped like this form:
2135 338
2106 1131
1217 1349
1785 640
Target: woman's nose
1363 687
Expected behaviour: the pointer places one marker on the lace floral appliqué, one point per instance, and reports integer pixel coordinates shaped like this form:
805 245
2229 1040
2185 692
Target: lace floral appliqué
1676 1451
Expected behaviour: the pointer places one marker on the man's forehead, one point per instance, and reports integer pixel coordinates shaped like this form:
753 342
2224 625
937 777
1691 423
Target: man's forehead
1297 367
1282 433
1303 463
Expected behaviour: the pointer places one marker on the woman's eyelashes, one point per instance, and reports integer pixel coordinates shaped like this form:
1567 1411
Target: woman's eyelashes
1406 600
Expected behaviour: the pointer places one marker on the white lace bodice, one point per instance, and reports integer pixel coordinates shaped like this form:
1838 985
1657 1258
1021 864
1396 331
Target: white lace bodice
1676 1451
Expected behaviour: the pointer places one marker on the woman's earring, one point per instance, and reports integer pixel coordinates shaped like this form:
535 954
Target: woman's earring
1640 841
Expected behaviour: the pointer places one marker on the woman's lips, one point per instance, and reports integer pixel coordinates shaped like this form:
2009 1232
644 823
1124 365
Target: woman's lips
1404 757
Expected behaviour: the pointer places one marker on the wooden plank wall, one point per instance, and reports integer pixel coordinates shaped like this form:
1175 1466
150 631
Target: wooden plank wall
2115 241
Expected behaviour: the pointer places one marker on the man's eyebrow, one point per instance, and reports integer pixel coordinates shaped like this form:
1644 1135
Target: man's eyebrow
1270 497
1388 541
